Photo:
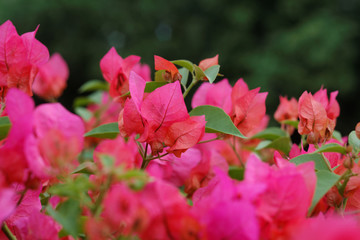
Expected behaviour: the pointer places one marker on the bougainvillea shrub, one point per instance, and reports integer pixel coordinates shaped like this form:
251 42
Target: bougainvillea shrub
135 163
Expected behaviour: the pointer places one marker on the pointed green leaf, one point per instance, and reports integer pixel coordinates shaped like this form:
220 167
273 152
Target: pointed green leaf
5 126
84 168
199 73
354 141
212 72
185 75
291 123
184 63
217 120
109 130
331 147
83 113
94 85
282 144
271 133
151 86
312 157
325 181
337 135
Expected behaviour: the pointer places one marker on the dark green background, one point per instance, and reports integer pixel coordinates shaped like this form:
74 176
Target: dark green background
285 47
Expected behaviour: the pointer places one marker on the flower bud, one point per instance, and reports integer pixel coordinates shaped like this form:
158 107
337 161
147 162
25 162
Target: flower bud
348 163
357 130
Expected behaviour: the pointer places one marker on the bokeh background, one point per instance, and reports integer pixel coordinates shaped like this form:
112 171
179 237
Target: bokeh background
285 47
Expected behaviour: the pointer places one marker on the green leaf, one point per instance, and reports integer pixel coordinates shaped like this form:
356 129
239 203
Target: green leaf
199 73
354 141
291 123
282 144
325 181
159 76
236 173
93 98
271 133
311 157
67 214
151 86
94 85
331 147
185 75
212 72
83 113
84 168
337 135
184 63
217 120
5 126
109 130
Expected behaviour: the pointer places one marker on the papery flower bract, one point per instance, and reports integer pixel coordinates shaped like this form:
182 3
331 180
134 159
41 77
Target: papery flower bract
116 71
19 58
248 107
124 153
216 94
171 72
169 214
209 62
288 195
175 170
330 228
287 110
318 115
185 134
51 80
153 116
225 210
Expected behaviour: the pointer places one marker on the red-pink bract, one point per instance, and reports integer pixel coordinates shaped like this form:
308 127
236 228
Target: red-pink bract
51 79
209 62
216 94
20 58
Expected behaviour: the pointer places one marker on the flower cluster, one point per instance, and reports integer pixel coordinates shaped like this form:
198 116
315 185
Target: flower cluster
135 163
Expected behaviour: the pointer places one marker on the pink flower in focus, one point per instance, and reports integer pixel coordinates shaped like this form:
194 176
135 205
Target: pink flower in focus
51 80
318 115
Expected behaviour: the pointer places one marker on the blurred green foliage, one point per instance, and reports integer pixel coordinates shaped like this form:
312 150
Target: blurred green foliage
286 47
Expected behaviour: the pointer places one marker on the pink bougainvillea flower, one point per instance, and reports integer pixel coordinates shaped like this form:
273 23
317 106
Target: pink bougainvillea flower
287 110
248 107
116 71
171 72
124 153
175 170
20 58
51 79
209 62
169 213
216 94
318 115
154 117
123 212
329 228
40 140
288 195
185 134
226 209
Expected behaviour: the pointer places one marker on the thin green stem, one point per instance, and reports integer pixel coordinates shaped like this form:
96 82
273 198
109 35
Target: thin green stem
104 189
236 153
210 140
157 157
144 162
193 83
7 232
